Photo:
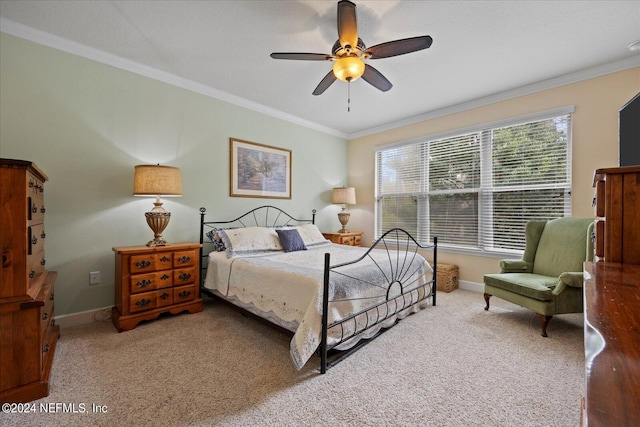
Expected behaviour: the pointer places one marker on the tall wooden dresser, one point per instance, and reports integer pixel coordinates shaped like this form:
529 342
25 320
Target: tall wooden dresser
28 333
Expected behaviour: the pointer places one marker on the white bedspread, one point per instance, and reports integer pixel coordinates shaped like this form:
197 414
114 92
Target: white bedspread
286 288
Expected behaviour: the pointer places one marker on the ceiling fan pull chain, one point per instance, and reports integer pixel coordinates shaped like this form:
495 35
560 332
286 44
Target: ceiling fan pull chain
349 96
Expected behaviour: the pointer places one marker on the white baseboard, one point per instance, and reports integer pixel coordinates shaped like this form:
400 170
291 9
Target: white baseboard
83 317
471 286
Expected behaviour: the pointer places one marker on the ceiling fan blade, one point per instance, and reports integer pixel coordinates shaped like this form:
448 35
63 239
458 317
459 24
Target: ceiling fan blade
399 47
325 83
347 24
301 56
375 78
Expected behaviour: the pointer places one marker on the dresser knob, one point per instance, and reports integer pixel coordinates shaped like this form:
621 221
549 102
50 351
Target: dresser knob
165 259
164 277
43 261
34 240
34 209
45 348
143 302
51 296
43 235
31 183
45 316
185 276
184 294
143 264
32 274
143 283
42 209
164 296
184 259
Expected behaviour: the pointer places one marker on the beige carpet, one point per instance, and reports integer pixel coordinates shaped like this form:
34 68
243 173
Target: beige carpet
449 365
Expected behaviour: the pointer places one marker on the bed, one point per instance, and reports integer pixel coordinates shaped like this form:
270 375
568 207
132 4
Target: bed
332 299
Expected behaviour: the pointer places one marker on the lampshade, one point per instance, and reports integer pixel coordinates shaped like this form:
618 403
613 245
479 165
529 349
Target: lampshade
344 196
156 180
349 68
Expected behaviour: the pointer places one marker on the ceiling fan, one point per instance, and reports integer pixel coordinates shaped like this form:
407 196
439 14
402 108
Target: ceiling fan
349 53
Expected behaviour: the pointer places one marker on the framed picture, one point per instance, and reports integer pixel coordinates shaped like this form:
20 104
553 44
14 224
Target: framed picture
259 170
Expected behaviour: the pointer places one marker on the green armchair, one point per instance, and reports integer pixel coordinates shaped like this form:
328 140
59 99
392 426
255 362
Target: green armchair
548 279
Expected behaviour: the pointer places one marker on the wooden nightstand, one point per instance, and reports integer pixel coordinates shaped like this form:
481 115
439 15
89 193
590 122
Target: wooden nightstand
352 238
155 280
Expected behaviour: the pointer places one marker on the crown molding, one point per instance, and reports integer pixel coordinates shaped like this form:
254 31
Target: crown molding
60 43
589 73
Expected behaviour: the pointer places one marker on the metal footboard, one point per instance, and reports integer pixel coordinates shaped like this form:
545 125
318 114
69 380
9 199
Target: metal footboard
402 284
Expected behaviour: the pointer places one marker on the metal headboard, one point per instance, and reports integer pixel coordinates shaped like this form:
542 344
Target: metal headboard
263 216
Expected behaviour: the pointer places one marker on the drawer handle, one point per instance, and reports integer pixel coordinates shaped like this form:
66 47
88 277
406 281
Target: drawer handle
32 274
143 264
184 276
184 259
165 259
51 296
164 277
42 209
164 296
45 348
43 261
184 294
45 316
31 184
143 283
43 235
34 209
34 240
143 302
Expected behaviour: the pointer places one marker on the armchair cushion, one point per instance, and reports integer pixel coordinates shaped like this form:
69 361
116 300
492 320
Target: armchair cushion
527 284
573 279
515 266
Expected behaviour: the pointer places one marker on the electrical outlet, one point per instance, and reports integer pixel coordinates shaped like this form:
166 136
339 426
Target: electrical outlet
94 277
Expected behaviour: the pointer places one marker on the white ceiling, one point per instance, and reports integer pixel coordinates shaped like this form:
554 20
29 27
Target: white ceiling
481 50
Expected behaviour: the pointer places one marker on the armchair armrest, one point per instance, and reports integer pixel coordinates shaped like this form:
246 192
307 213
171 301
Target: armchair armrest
515 266
575 280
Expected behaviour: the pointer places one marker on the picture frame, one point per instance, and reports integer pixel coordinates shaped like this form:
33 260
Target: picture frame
259 170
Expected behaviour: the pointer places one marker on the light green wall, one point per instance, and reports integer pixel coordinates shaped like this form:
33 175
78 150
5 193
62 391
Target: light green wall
86 124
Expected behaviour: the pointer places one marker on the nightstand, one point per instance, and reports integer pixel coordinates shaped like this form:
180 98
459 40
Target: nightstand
155 280
352 238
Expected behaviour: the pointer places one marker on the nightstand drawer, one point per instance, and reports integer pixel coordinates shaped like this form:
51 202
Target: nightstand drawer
184 258
142 263
165 297
143 301
183 276
184 293
143 283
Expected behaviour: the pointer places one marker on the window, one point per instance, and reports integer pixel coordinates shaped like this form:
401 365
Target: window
475 189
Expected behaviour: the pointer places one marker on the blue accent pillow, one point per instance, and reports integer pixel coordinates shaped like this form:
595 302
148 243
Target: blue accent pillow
291 240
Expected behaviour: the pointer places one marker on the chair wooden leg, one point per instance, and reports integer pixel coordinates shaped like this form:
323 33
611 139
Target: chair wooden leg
545 321
486 300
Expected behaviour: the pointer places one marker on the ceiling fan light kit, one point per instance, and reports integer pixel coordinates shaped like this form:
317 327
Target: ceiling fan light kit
349 53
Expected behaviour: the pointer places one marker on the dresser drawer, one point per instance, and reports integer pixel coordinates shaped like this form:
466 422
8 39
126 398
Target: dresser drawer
183 276
598 244
142 263
184 258
36 236
35 215
46 316
184 293
165 297
143 301
143 283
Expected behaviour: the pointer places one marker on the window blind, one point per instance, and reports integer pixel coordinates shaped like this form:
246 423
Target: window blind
476 190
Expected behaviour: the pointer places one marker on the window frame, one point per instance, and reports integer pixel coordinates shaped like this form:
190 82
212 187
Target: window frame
486 190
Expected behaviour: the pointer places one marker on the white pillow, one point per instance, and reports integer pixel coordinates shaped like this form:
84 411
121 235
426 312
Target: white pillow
310 234
250 240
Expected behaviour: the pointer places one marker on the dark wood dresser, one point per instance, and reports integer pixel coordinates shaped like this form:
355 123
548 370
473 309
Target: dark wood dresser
28 333
612 345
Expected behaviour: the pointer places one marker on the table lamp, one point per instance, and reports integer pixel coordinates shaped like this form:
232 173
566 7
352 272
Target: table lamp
158 181
344 196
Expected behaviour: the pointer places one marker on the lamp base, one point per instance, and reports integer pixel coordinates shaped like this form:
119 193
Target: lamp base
343 217
157 221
